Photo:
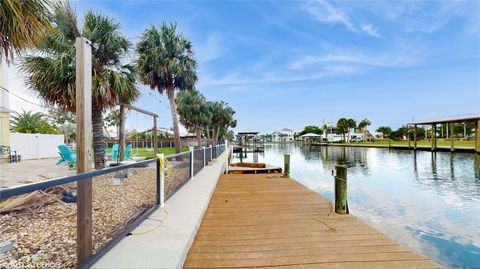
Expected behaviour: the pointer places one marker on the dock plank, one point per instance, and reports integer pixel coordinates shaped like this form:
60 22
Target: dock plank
266 221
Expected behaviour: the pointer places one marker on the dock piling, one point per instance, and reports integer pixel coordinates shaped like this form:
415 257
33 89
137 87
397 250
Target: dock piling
341 189
286 165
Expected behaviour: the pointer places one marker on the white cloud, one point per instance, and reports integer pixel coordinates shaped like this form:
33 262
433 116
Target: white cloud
370 30
325 12
211 48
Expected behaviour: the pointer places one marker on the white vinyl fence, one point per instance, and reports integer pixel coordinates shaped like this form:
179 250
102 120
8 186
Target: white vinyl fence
35 146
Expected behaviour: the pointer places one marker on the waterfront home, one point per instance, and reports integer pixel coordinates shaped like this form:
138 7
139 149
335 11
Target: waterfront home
330 134
284 135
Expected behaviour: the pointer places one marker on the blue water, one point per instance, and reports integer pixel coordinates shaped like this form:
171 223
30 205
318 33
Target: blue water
428 202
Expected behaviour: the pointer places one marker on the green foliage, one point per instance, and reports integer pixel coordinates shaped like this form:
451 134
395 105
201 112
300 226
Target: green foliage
23 24
221 118
364 123
165 59
31 123
343 125
51 72
311 129
384 130
193 110
113 118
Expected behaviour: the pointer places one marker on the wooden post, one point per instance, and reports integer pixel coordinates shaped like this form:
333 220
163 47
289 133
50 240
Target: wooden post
452 136
286 165
415 137
434 139
477 136
341 189
408 136
155 135
83 104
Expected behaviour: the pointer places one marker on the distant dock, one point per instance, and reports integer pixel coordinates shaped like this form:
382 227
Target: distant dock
266 221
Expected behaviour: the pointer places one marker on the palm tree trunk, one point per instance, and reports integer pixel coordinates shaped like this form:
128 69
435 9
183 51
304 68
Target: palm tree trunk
176 131
199 137
65 127
213 136
208 133
121 134
217 134
98 139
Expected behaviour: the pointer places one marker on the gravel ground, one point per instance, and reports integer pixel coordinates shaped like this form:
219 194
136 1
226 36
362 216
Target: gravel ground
45 237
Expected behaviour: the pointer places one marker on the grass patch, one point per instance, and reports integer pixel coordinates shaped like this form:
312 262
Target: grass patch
421 143
148 152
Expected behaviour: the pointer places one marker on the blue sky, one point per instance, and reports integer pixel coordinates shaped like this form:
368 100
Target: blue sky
296 63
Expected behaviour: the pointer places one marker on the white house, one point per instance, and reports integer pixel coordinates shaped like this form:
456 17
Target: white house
284 135
330 134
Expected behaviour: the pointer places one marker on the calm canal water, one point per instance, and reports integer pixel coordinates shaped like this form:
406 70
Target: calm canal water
429 202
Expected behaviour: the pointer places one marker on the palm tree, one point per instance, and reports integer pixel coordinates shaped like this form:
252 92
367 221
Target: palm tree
363 125
51 74
31 123
342 127
166 63
23 24
193 111
221 120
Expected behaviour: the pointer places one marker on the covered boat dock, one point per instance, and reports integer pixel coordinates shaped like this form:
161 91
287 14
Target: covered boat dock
449 121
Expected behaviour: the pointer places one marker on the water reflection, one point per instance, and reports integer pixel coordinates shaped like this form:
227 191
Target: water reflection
426 201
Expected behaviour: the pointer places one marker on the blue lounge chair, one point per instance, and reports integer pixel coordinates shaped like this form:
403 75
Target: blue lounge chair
66 155
115 152
128 151
116 149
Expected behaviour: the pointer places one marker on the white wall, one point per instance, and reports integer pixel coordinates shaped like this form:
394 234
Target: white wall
35 146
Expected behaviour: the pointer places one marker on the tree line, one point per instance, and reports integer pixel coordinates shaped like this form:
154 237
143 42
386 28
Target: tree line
163 60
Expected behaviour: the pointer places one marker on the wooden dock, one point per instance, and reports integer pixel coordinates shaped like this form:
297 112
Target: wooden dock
265 221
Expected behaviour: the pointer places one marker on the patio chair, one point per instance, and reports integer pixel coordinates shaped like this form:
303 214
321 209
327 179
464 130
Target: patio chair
66 155
115 152
128 151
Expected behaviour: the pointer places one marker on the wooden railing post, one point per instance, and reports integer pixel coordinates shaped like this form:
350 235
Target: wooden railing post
341 206
83 104
286 165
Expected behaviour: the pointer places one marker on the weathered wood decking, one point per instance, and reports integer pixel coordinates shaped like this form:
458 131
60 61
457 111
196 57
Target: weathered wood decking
265 221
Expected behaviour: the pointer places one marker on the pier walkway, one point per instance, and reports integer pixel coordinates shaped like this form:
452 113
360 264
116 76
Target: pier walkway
265 221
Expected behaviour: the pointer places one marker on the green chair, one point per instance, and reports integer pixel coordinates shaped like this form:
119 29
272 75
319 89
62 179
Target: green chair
66 155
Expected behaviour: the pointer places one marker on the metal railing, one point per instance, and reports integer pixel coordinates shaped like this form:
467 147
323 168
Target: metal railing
144 181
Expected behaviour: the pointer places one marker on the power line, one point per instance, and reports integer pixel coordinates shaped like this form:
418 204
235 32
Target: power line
30 102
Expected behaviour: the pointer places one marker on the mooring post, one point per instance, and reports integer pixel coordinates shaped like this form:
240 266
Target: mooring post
452 137
408 136
341 189
477 136
286 165
415 137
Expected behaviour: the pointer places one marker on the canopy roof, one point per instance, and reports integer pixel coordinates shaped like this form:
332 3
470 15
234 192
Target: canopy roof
449 119
248 133
310 135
